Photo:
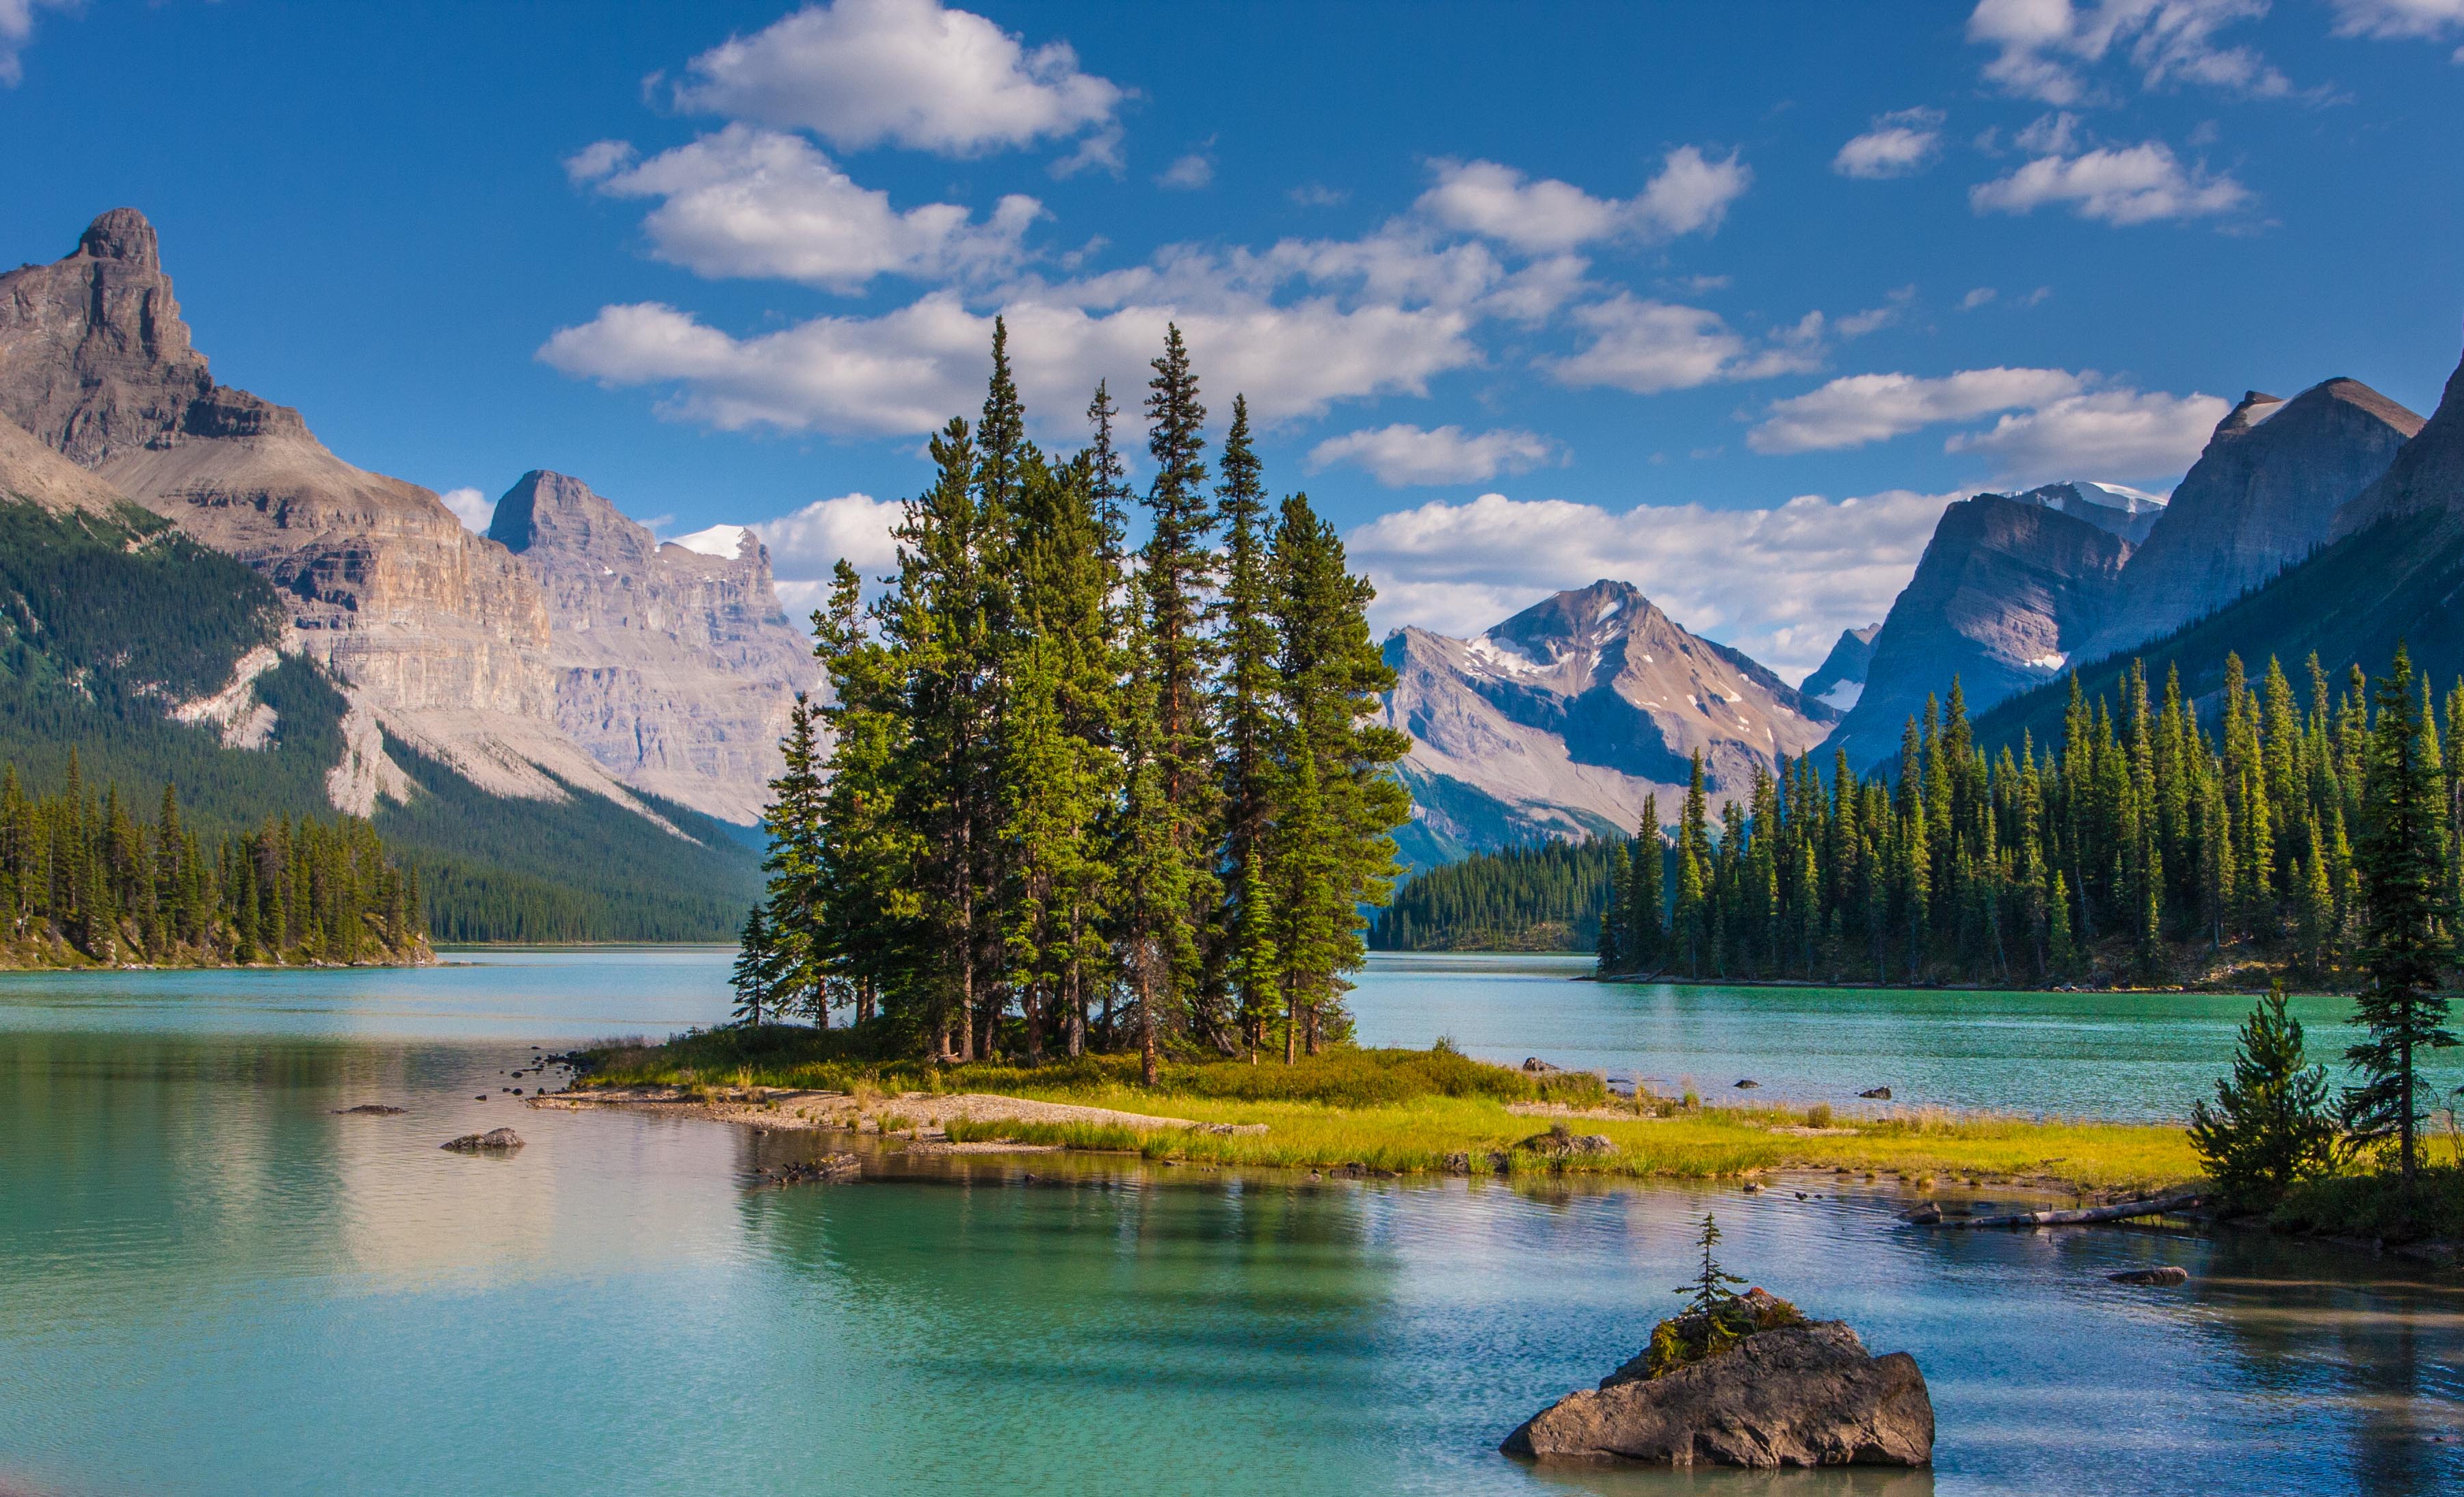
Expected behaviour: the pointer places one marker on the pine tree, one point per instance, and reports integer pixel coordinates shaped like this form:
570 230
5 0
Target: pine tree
1711 1286
2402 864
1645 939
1245 710
756 970
2272 1124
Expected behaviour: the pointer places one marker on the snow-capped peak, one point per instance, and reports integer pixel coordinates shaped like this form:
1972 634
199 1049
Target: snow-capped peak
725 541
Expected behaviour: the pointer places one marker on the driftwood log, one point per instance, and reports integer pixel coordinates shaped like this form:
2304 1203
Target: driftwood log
2120 1211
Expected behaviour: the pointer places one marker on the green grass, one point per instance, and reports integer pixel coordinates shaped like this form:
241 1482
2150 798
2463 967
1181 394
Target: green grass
1407 1111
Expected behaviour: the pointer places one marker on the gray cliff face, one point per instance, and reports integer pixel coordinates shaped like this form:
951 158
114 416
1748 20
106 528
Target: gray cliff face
2264 495
672 668
2427 474
1840 680
1565 717
2007 588
387 586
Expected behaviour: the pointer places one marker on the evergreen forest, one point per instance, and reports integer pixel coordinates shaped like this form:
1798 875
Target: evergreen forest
1071 796
86 879
1540 896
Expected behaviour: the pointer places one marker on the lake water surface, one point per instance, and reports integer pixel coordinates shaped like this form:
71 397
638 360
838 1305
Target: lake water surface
209 1283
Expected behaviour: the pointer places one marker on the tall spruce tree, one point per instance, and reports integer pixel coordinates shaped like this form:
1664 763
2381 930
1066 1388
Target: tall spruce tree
1245 707
2402 864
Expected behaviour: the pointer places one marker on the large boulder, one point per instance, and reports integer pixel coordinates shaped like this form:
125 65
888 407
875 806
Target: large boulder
1802 1394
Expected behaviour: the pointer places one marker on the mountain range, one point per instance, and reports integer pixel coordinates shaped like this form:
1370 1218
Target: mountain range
603 692
2331 523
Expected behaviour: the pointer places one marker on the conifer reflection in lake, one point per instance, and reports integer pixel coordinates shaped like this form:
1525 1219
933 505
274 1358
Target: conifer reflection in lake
209 1283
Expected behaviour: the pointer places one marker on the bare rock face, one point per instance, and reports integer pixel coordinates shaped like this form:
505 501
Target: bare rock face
2009 587
673 668
1563 717
2263 496
432 628
1800 1396
1840 680
2427 475
33 474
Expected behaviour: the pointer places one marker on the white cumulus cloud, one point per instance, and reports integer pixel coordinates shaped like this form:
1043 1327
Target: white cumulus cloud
2129 185
1779 582
749 202
1650 346
2125 433
1403 455
1860 408
1189 172
1691 194
806 543
1900 144
2051 423
912 72
909 371
472 508
2047 49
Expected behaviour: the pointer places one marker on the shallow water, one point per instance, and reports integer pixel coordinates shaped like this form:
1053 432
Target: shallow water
209 1283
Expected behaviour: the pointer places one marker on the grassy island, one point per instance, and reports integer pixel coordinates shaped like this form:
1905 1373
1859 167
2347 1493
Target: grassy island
1409 1111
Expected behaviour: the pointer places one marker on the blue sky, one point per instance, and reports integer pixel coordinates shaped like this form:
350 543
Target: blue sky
1723 299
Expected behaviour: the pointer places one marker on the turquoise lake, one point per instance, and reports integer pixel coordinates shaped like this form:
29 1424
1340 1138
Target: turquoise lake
209 1283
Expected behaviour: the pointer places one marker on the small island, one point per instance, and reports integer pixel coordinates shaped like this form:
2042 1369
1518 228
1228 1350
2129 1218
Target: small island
85 882
1741 1380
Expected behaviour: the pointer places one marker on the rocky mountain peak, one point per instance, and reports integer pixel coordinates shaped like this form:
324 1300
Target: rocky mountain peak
1840 680
2427 474
2254 408
2263 495
2109 507
96 361
552 511
1581 618
122 233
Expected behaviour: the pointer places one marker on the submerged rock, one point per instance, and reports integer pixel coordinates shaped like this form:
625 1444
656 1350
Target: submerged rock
1748 1085
1799 1395
1877 1093
2170 1273
495 1140
828 1169
369 1109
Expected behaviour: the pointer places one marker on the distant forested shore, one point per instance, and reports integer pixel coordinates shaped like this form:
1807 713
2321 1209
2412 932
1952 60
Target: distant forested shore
86 881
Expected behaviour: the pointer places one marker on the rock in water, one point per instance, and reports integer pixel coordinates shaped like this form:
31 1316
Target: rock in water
1877 1093
369 1109
495 1140
2170 1273
1802 1395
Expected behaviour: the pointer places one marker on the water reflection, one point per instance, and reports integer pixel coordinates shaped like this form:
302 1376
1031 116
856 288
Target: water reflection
209 1283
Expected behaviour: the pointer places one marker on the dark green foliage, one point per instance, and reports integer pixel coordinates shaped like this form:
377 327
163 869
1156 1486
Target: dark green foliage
585 869
1071 803
84 879
1544 898
2386 1208
2272 1125
126 608
103 622
754 977
2405 918
1710 1284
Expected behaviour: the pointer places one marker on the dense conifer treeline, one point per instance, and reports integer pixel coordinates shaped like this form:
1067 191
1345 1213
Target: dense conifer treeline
1545 896
1068 798
85 878
2145 848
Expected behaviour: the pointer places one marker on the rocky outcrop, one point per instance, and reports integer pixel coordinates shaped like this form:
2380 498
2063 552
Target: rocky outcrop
673 667
1840 680
2007 588
2425 477
1799 1396
33 474
2263 496
1562 718
496 1140
438 636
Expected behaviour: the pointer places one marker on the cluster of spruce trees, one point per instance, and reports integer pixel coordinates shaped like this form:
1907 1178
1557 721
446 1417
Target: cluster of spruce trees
1541 896
2143 841
82 873
1068 798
